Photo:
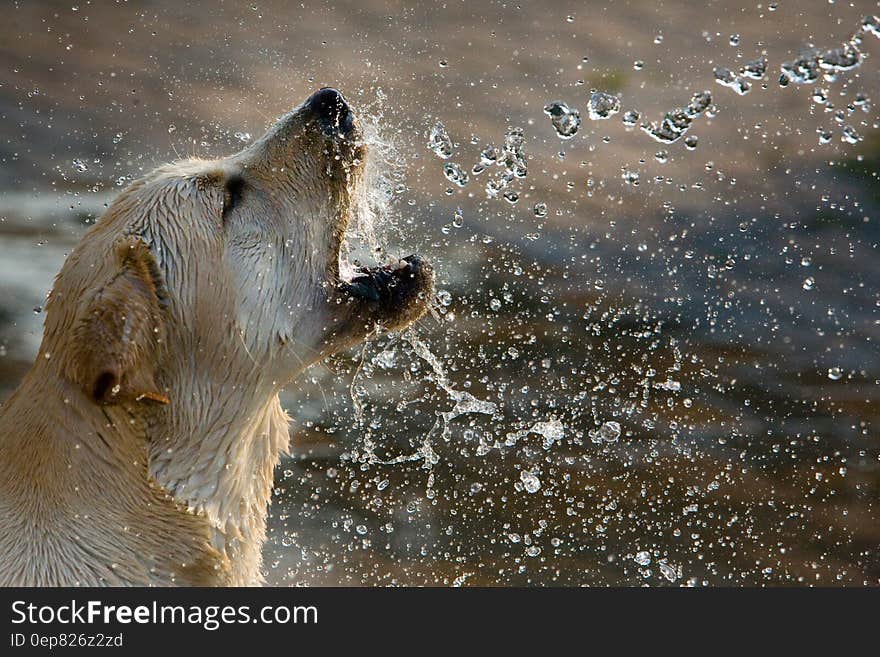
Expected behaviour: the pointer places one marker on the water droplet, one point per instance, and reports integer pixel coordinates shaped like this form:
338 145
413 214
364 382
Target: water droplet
439 141
608 432
642 558
836 60
809 283
540 210
565 120
386 359
455 174
668 571
552 431
80 165
871 24
690 142
630 118
602 105
489 155
727 78
755 69
804 69
699 103
835 373
849 135
675 124
530 482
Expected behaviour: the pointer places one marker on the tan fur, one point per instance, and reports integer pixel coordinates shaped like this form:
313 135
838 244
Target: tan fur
140 447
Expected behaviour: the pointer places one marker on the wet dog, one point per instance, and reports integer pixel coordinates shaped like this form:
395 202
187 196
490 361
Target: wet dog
139 449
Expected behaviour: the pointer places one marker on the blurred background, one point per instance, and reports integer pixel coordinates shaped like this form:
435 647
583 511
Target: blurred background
648 363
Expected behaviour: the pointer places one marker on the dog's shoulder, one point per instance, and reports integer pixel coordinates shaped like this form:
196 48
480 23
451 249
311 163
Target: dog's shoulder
81 510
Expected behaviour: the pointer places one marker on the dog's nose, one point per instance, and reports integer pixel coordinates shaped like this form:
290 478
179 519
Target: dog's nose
331 110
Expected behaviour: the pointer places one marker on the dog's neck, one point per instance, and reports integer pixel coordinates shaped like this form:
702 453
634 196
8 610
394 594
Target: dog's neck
214 448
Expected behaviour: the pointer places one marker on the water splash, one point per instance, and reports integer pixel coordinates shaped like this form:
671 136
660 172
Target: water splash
464 403
372 206
551 431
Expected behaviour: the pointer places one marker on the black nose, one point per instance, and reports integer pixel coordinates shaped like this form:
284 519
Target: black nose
331 110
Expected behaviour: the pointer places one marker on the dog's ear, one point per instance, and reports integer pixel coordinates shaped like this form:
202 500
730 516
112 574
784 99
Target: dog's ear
118 338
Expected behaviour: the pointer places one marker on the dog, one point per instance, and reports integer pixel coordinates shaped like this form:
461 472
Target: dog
139 449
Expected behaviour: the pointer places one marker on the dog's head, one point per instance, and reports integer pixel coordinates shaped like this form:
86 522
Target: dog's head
230 265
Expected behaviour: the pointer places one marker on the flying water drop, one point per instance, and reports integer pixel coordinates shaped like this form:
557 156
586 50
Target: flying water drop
603 106
565 120
439 141
630 118
727 78
609 432
530 482
455 174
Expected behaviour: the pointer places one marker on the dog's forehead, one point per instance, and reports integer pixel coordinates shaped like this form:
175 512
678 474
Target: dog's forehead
183 174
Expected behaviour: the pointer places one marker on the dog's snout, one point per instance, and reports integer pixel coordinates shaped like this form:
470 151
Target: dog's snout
327 102
330 108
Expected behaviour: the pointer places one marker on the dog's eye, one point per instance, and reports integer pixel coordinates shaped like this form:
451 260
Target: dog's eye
232 193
